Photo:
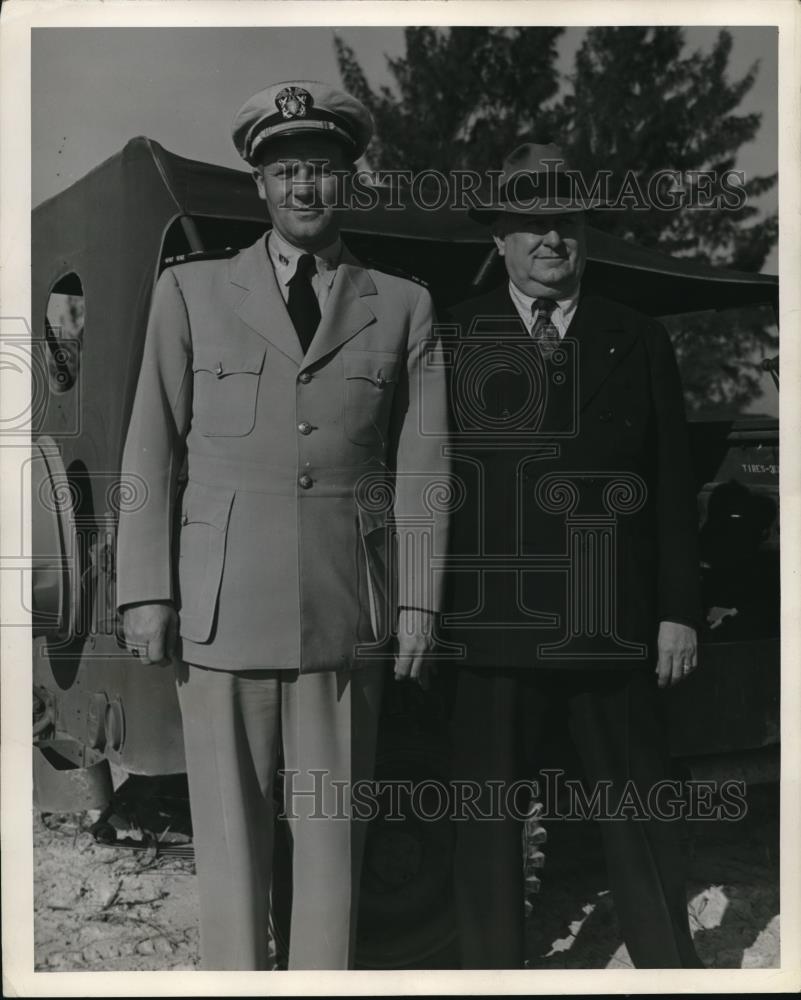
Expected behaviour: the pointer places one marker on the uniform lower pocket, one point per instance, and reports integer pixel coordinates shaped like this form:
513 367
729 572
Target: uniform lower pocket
205 512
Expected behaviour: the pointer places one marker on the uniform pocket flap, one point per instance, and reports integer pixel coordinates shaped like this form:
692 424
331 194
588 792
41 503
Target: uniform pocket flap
379 367
229 359
206 505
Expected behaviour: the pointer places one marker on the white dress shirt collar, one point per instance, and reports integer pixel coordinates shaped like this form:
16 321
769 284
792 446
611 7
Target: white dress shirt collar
284 258
560 317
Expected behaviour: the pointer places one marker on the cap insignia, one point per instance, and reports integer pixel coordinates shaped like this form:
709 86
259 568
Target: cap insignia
293 102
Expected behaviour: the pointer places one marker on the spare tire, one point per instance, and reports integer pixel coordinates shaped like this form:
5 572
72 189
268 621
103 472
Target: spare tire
55 584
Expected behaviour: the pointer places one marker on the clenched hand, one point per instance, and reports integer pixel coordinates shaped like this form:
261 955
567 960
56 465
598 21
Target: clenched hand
415 644
151 632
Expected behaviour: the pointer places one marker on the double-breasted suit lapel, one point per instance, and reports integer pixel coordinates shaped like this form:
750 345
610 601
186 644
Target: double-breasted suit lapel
601 345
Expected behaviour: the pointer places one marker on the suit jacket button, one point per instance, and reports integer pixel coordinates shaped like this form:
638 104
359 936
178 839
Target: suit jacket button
305 378
218 370
606 416
185 519
305 482
305 427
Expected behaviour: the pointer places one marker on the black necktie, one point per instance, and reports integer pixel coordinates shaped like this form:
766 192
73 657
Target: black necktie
304 309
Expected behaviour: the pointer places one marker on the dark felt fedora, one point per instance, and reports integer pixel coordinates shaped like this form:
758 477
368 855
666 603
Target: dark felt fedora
537 180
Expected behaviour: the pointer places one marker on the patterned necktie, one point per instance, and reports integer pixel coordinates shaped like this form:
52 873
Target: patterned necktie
544 329
302 304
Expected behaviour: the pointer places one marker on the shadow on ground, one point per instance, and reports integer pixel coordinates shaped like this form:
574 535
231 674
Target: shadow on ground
733 891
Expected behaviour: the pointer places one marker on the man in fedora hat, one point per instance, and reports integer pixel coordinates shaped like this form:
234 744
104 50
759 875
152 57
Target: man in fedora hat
580 531
289 374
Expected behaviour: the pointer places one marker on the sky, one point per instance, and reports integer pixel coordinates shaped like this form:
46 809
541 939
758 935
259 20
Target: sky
92 89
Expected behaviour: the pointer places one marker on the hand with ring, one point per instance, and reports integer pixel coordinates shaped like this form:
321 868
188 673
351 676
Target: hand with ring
678 653
151 632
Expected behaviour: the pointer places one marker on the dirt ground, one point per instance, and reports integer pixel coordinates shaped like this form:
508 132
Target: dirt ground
107 908
102 908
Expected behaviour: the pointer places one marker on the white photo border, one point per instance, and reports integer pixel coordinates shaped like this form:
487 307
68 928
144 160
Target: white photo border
17 19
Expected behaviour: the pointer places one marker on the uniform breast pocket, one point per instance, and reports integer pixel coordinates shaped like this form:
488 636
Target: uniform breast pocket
371 378
226 385
205 511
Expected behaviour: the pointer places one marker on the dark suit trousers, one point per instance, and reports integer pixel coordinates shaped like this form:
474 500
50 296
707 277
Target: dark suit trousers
615 723
232 723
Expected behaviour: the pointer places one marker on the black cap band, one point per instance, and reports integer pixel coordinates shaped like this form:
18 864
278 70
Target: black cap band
278 124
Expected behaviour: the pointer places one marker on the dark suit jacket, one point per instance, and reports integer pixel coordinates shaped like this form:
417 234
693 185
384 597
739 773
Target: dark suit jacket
577 531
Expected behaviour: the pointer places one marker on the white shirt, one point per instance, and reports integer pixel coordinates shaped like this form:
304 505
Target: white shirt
560 317
284 258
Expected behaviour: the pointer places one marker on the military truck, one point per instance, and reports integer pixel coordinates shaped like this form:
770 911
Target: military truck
99 715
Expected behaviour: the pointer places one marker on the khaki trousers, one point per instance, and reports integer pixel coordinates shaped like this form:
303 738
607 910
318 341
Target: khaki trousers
232 722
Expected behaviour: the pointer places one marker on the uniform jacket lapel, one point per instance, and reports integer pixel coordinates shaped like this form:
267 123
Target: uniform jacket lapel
264 310
346 312
263 307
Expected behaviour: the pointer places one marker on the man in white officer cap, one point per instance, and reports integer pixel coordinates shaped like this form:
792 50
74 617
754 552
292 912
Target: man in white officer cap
291 375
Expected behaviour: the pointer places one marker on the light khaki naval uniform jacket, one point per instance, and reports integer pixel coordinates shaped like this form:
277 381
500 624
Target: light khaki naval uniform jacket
269 557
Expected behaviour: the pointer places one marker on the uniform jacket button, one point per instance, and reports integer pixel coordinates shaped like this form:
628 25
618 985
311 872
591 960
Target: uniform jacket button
305 378
184 518
218 370
305 482
305 427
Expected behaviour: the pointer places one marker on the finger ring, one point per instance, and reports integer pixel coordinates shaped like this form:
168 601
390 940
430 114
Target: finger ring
686 668
135 651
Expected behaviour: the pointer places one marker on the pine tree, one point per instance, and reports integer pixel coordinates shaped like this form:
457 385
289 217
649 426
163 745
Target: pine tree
461 96
640 104
636 104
